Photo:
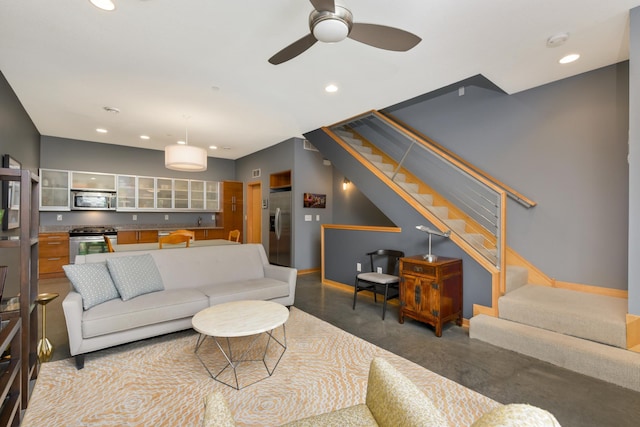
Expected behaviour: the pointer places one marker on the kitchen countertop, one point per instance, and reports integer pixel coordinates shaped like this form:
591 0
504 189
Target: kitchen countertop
130 227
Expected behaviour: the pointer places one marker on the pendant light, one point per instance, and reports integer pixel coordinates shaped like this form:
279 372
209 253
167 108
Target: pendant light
185 157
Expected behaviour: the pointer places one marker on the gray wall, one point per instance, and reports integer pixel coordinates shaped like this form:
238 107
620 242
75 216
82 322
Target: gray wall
19 138
271 160
69 154
343 249
309 175
351 207
634 163
564 145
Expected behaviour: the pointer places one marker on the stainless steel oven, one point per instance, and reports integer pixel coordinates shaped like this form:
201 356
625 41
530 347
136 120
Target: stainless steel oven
90 240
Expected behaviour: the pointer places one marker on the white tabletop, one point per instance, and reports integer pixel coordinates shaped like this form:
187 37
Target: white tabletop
240 318
152 246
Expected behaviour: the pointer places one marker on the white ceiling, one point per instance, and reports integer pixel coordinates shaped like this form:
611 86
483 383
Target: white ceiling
159 61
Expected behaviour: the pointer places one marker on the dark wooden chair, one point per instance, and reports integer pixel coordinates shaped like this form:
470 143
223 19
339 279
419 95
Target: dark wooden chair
387 260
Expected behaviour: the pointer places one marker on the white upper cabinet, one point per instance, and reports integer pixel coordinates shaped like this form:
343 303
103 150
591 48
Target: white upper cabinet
54 190
212 196
93 181
126 192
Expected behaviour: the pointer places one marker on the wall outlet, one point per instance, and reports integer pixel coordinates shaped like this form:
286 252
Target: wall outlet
358 266
135 217
213 217
59 217
307 217
166 217
379 270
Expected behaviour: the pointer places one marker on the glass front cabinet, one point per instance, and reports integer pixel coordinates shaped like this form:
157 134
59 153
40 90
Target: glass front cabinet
146 191
54 190
212 195
126 192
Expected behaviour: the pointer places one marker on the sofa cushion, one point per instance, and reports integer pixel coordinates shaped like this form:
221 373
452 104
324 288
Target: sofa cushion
394 400
135 275
262 289
156 307
517 415
93 282
358 415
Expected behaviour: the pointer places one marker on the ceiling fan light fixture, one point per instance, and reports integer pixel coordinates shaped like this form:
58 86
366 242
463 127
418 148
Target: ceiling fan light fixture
331 30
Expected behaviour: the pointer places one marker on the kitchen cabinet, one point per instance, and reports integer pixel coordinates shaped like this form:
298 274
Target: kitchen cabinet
164 193
196 193
212 200
146 192
93 181
53 254
431 292
209 233
232 209
126 192
181 194
54 190
137 236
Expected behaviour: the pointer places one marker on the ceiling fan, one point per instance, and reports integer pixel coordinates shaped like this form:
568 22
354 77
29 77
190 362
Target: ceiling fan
330 22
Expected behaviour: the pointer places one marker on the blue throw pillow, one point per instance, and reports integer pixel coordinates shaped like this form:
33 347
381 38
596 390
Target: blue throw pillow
135 275
93 282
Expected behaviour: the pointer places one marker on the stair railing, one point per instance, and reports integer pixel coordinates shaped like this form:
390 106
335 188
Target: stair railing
478 207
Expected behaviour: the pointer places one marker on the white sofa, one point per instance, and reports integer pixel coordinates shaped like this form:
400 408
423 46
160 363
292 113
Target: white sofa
192 280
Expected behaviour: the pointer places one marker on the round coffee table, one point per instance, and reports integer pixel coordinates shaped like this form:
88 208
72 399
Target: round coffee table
241 319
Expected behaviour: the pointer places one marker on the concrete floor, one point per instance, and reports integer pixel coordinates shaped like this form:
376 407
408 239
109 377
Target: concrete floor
508 377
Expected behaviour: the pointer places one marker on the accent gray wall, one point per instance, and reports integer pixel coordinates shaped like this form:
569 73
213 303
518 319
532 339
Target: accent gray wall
634 163
19 138
308 174
351 207
343 249
563 145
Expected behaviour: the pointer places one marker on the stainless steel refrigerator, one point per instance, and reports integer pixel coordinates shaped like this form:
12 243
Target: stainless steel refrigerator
280 228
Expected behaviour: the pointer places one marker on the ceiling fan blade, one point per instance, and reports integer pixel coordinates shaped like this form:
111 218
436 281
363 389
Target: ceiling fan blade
293 50
384 37
322 5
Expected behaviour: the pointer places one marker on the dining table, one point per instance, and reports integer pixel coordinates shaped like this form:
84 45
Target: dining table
152 246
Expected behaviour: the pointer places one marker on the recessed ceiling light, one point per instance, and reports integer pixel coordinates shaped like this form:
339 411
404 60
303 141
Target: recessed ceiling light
100 130
144 137
213 147
569 58
331 88
107 5
181 142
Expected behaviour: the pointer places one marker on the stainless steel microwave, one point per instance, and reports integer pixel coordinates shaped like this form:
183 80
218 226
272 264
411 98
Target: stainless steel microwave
91 200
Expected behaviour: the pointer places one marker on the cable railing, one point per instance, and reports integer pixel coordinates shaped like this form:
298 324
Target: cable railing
471 206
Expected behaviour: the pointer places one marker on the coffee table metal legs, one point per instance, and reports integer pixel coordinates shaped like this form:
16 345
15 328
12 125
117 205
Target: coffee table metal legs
233 362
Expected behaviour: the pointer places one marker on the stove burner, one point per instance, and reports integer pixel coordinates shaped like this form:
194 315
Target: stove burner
92 231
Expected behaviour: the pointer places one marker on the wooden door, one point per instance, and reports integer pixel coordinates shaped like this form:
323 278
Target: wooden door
254 212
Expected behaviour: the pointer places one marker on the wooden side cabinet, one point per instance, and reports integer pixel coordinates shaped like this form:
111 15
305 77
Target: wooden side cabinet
431 292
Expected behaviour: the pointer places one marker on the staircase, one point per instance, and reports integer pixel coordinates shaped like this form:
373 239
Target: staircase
579 331
483 243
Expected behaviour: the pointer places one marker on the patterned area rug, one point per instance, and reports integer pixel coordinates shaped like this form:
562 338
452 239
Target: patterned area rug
160 382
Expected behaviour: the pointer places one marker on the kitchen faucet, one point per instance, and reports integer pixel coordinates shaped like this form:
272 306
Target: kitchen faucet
199 221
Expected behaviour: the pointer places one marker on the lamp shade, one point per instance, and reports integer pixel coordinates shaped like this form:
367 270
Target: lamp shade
185 158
